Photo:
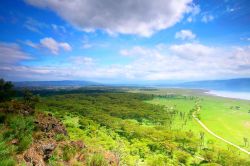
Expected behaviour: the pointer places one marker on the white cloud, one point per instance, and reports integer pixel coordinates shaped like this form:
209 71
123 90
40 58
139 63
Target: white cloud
58 28
189 61
31 44
185 35
82 60
54 46
143 17
34 25
207 18
11 53
87 45
195 10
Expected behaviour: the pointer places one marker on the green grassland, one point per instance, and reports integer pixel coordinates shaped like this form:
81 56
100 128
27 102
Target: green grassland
222 117
228 118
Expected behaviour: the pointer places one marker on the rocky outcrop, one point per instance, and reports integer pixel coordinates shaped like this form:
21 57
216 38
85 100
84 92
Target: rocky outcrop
50 125
44 142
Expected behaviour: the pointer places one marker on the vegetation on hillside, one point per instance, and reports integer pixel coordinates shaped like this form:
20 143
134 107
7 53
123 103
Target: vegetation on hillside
99 127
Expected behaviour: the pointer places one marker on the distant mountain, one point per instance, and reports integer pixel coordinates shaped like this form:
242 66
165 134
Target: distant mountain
241 84
64 83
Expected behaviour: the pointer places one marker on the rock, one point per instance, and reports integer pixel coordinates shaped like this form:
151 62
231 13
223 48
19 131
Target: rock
33 158
14 141
49 124
47 150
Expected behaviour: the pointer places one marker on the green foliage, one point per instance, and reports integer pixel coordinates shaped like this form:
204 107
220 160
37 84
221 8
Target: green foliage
97 159
182 157
24 143
30 99
53 160
157 160
60 137
6 90
6 152
20 128
2 118
68 152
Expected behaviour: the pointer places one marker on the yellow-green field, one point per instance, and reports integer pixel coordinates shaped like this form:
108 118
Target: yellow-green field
228 118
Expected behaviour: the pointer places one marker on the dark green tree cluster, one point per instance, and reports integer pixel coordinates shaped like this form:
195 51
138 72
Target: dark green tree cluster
6 90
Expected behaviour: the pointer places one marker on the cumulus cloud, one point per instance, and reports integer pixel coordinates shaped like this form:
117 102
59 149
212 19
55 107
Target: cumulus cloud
54 46
50 44
185 35
143 17
207 18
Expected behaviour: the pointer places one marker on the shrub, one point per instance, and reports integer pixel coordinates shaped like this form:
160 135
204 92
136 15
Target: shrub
60 137
24 143
53 160
2 117
7 162
21 128
97 160
182 157
68 152
6 158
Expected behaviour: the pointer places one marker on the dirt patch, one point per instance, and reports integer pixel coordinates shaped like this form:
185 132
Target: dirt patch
247 124
111 158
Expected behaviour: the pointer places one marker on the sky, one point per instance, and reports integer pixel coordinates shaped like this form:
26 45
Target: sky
124 41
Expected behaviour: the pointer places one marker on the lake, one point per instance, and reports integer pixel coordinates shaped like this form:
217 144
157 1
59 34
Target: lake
229 94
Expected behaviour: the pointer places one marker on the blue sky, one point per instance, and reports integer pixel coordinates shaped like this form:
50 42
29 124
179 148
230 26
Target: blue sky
124 42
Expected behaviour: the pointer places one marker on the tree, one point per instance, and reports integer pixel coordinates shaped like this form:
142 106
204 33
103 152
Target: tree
6 90
202 135
246 143
30 99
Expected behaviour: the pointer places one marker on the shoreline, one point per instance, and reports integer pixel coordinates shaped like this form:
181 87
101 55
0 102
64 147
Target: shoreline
230 94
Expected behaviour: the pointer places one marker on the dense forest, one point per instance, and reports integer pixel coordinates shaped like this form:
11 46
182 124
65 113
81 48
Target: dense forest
98 127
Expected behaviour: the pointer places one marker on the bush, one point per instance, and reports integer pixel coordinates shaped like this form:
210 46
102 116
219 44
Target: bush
60 137
7 162
182 157
6 158
2 118
97 160
68 152
6 90
159 160
21 128
24 143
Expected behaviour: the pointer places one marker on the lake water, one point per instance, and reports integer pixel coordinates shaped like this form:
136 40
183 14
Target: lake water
228 94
